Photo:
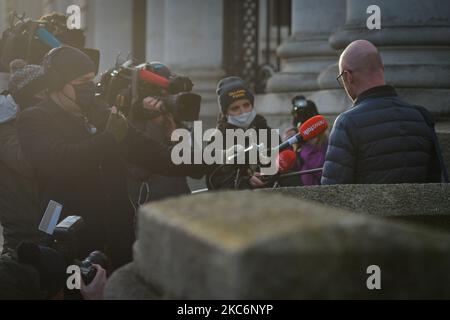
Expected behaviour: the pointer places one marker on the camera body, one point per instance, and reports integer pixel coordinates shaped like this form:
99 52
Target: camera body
127 84
30 39
64 240
302 110
88 272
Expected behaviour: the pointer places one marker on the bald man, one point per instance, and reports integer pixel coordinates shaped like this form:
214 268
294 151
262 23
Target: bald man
381 139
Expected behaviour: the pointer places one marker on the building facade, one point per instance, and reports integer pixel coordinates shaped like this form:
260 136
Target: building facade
282 48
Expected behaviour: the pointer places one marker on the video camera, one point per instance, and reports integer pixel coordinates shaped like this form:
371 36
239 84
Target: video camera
126 85
30 39
65 236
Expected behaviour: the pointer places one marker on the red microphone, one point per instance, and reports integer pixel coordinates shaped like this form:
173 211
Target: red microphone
286 160
311 128
154 78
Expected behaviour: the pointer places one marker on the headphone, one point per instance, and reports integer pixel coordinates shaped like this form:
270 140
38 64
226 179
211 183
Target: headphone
53 77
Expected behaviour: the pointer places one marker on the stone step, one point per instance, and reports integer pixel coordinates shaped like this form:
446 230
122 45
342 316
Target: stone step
417 203
255 245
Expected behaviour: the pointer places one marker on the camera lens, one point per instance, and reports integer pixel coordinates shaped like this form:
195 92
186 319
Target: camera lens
97 257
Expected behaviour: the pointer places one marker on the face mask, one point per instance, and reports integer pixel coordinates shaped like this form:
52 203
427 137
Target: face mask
85 95
8 108
243 120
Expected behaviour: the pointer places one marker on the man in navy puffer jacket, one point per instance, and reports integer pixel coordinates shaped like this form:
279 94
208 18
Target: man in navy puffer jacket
381 139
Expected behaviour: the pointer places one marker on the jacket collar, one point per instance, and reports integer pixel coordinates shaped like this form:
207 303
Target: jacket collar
79 119
376 92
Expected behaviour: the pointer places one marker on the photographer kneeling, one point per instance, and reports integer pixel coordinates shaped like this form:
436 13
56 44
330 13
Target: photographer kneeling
79 149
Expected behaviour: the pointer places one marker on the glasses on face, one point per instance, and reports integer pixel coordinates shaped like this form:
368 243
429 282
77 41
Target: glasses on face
339 78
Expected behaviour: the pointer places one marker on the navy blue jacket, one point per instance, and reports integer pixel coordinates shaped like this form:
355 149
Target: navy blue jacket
381 139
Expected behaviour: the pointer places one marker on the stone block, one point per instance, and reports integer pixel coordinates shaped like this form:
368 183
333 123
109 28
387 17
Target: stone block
427 204
255 245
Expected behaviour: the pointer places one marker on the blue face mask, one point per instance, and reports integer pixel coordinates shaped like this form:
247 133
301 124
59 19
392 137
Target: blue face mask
243 120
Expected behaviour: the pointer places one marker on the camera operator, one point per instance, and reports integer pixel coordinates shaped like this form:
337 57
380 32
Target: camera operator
19 202
78 149
311 154
302 110
159 125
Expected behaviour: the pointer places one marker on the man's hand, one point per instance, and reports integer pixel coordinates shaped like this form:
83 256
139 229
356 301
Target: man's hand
94 290
152 104
117 125
165 120
256 182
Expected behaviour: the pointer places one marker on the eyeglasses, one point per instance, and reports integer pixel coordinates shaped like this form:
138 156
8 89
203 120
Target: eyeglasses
338 78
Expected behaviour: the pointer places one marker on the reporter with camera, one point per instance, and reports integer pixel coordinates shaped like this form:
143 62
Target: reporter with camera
152 117
78 149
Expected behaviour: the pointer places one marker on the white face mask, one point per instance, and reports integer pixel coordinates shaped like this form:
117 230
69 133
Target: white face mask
8 108
243 120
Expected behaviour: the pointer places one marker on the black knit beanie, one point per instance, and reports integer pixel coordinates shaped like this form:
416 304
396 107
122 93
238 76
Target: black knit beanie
69 63
232 89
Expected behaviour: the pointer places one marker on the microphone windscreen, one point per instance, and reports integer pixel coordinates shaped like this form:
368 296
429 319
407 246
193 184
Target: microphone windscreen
313 127
286 160
154 78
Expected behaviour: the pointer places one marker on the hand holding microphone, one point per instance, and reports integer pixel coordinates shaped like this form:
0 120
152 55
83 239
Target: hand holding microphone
286 160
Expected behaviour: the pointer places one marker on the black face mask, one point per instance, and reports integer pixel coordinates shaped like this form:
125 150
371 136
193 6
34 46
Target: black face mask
85 95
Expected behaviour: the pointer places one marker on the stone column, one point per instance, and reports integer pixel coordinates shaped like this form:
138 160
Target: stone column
187 36
414 41
304 55
109 28
307 52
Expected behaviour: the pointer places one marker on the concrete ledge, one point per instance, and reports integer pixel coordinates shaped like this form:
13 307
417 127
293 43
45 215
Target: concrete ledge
126 284
255 245
378 199
426 204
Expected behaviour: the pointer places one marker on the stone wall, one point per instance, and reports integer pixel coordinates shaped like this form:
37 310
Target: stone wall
427 204
255 245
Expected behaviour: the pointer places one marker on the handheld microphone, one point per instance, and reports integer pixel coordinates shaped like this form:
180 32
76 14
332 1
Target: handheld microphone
286 161
311 128
233 152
